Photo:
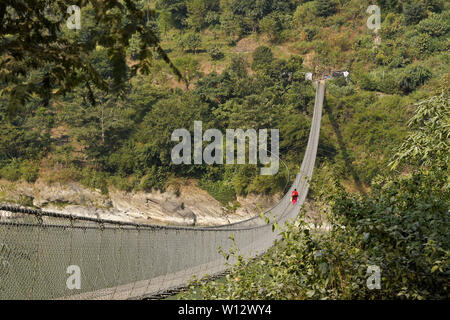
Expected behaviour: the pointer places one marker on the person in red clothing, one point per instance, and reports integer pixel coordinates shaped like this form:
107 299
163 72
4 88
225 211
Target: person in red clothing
294 196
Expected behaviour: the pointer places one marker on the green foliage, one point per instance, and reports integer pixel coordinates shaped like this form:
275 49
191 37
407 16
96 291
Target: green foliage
412 77
428 143
121 102
304 14
177 10
238 66
325 8
404 80
434 26
62 53
191 41
220 190
399 227
155 178
11 172
434 5
29 171
271 25
189 68
95 179
262 56
414 12
216 53
392 26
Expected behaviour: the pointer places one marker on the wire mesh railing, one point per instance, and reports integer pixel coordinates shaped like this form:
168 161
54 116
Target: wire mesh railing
45 255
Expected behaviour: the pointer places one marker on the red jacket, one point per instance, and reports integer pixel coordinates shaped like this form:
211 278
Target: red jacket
294 194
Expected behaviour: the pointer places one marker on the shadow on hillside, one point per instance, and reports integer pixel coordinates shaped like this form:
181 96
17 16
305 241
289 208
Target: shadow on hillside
343 148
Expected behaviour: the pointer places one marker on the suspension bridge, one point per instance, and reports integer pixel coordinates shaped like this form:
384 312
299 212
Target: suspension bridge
120 260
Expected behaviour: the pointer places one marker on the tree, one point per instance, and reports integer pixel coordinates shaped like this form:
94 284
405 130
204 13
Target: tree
189 68
196 13
191 41
271 26
412 77
325 8
167 115
390 5
262 56
177 9
414 12
434 26
133 49
434 5
31 40
238 66
230 26
427 144
216 53
98 121
165 21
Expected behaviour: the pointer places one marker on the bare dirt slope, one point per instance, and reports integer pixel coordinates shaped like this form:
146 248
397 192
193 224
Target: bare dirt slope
187 205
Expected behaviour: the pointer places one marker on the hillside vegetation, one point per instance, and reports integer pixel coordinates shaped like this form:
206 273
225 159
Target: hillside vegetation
98 106
243 65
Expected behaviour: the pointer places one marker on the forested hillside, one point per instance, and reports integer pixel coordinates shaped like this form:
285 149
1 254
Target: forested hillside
243 65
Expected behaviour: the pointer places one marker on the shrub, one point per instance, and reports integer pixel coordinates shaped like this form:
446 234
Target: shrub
412 77
134 48
434 5
271 25
311 32
238 65
10 172
154 179
434 26
325 8
414 12
423 45
262 56
220 190
216 54
392 26
190 41
304 14
94 179
29 171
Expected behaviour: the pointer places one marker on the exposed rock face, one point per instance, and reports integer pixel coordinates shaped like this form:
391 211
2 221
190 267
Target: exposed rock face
190 205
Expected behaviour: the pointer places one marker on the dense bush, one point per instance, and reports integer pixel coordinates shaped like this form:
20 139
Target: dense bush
414 11
271 25
403 80
216 54
10 172
220 190
29 171
325 8
412 77
435 26
190 41
262 56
